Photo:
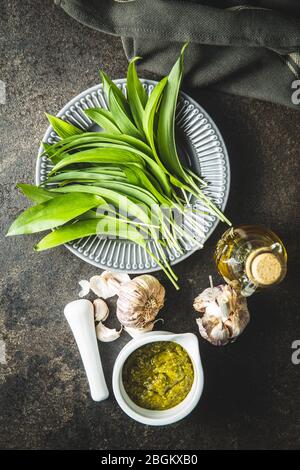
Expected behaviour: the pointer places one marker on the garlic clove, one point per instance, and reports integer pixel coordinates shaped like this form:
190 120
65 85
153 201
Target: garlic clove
202 330
100 288
120 277
212 332
85 288
237 323
107 284
101 310
220 336
106 334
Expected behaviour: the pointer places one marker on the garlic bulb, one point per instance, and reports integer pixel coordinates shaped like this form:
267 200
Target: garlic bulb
139 302
223 314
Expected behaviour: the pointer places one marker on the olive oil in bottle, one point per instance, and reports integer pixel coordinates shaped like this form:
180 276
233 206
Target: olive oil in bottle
251 257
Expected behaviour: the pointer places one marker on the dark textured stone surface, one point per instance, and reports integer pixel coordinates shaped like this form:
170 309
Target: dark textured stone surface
251 395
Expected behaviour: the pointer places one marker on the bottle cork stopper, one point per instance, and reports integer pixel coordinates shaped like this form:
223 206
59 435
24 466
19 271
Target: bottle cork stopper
263 267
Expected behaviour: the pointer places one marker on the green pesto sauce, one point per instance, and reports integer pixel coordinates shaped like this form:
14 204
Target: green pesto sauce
158 375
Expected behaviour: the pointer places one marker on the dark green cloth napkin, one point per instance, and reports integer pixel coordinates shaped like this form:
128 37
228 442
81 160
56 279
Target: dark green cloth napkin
251 50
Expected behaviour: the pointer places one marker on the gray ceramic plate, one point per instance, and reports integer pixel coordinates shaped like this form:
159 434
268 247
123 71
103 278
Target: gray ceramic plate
202 147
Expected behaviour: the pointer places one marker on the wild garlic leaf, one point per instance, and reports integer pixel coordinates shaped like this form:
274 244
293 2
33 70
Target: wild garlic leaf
123 121
63 128
138 178
132 176
140 150
99 155
136 194
54 212
150 111
104 226
91 138
156 171
136 95
109 84
139 86
78 175
104 119
111 196
166 142
154 181
35 193
103 170
47 148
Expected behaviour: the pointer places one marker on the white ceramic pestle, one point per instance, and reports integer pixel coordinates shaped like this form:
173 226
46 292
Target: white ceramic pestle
80 316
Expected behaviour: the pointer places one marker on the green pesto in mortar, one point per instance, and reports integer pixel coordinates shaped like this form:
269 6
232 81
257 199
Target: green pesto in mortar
158 375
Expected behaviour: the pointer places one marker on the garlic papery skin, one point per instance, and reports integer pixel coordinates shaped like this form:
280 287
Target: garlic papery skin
105 334
223 314
101 310
107 284
85 288
139 302
136 332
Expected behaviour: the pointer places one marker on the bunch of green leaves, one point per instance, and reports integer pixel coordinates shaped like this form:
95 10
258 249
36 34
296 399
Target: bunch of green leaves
130 171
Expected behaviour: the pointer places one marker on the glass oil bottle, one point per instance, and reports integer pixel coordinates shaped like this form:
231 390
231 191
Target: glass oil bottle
251 257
